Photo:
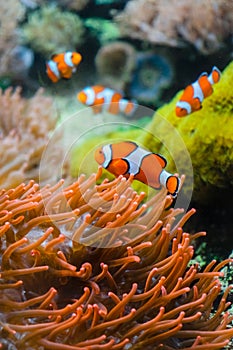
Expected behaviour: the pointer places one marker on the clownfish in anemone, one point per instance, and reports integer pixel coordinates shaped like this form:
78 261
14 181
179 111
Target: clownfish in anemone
193 95
127 158
101 99
62 65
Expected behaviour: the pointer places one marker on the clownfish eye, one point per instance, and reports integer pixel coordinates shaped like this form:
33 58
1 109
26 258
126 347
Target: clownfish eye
99 156
100 152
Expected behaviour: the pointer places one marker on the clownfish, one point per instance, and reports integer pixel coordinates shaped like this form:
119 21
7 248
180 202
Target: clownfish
62 65
195 93
102 98
126 158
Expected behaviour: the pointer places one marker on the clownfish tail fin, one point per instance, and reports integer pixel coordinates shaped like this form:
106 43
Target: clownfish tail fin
127 107
214 76
172 185
170 182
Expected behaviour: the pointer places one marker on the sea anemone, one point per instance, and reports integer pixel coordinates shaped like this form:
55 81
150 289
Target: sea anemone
151 75
89 266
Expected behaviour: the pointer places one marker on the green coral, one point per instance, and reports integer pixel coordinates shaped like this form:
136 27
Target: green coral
104 2
104 29
50 30
207 134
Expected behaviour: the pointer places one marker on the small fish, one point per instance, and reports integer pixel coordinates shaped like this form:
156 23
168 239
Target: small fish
62 65
102 98
195 93
127 158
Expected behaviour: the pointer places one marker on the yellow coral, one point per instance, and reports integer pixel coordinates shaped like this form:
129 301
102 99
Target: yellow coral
208 135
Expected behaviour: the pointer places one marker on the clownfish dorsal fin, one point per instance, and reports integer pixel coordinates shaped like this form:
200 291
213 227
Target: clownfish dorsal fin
54 55
119 166
204 74
162 161
131 143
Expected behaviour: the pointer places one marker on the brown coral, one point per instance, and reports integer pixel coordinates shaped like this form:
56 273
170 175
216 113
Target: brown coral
76 5
115 63
204 24
124 281
24 133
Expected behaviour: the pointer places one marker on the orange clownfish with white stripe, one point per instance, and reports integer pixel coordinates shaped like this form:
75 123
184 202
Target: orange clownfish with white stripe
195 93
101 98
126 158
62 65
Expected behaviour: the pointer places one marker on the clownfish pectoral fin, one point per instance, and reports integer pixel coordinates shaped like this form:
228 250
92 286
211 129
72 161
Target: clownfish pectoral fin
196 104
66 74
119 166
172 185
162 161
97 109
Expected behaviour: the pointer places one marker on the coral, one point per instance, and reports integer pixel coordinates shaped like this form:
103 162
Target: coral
115 63
104 2
32 4
76 5
24 133
20 62
151 75
63 30
208 136
88 267
203 24
11 13
103 29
